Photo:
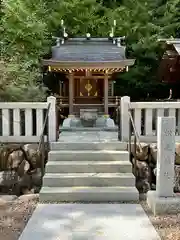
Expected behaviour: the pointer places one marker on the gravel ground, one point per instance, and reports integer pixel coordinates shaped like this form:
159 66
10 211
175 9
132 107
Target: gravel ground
167 226
15 215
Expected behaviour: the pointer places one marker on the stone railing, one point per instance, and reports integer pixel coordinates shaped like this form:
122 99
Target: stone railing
145 115
22 122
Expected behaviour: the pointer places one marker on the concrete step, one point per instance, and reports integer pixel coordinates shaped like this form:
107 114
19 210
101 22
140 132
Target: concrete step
88 146
89 194
102 155
88 167
88 179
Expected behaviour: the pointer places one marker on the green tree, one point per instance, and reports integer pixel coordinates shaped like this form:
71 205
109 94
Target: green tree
23 41
27 28
141 22
80 17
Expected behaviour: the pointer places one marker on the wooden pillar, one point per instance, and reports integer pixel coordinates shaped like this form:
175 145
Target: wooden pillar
106 85
65 85
112 89
71 92
60 88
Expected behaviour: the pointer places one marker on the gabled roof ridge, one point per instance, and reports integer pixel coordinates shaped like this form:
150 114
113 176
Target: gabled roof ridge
90 39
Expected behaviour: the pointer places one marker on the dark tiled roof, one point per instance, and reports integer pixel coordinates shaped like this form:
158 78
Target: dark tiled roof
95 50
175 42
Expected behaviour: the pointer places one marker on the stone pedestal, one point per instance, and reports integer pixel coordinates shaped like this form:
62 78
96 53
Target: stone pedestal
109 123
88 117
67 123
101 122
163 205
70 122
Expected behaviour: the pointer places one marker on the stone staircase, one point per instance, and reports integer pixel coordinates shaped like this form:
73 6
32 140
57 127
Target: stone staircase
88 172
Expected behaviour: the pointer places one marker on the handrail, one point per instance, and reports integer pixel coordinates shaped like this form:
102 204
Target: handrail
41 145
44 125
136 138
134 128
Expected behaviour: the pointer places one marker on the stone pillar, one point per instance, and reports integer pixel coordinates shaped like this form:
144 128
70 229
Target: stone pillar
165 156
124 118
163 200
52 124
178 123
71 93
106 85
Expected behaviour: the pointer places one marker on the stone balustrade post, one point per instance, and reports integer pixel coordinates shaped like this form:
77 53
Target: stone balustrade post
52 120
125 101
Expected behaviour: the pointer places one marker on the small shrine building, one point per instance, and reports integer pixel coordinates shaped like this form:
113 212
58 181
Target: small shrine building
88 65
169 68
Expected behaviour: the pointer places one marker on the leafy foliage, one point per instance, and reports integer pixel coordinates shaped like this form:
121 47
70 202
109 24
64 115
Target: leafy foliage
17 83
145 22
27 27
23 41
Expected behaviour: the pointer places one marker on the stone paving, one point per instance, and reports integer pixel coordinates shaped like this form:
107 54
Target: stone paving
83 136
89 222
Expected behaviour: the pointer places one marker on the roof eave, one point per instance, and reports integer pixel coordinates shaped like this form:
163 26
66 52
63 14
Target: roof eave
88 64
169 40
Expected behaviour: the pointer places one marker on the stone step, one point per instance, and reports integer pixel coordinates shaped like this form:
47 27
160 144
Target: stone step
100 155
88 146
89 194
88 179
89 129
88 167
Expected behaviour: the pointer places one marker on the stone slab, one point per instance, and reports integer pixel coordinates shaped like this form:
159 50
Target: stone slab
89 155
88 136
89 194
88 166
115 145
89 129
88 179
163 205
88 118
89 222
